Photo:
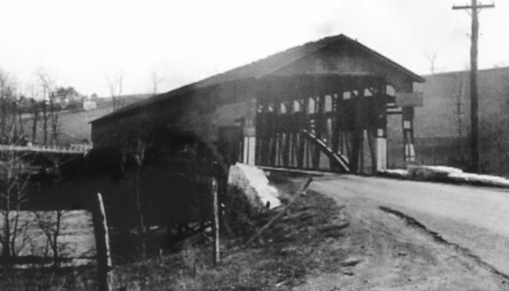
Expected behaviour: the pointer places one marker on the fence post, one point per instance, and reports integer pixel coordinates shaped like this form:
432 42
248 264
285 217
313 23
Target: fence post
217 255
104 265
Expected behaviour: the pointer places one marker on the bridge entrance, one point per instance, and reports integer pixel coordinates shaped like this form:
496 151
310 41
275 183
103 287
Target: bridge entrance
322 123
336 123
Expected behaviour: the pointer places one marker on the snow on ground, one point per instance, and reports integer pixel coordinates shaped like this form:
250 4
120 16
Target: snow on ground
254 184
397 173
444 173
431 172
480 179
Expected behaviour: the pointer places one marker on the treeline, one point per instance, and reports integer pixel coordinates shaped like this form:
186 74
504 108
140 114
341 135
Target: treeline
33 119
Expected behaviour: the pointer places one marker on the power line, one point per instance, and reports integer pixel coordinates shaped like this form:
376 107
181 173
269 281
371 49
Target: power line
474 107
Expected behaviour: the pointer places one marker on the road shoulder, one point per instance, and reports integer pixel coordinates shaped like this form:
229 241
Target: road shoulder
396 255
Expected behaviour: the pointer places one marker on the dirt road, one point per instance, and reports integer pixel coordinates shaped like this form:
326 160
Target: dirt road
474 219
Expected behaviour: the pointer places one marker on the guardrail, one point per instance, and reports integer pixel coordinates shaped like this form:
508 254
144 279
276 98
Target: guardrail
73 149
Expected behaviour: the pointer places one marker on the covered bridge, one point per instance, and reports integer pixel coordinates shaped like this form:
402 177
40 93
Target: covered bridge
323 105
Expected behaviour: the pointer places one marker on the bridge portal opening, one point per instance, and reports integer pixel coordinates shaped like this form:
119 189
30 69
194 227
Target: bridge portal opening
344 128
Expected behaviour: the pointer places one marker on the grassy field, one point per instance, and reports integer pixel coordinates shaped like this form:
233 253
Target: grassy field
74 125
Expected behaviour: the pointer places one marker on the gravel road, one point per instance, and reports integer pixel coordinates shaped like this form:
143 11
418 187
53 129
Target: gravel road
473 218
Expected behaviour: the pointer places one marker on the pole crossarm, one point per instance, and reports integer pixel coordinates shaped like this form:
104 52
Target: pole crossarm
478 6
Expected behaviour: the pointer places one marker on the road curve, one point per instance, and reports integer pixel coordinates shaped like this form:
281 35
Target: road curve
473 218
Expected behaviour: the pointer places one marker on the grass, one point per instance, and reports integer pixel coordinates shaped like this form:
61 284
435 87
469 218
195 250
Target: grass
307 241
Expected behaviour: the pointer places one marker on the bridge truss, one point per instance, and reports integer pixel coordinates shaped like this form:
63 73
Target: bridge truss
336 123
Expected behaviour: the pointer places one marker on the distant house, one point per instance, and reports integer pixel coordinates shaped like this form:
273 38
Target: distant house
442 125
89 105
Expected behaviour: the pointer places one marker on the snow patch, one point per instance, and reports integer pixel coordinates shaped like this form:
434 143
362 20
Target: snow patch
255 185
445 174
432 172
480 179
397 173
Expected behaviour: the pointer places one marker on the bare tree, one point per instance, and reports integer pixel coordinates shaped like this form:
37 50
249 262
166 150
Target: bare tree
34 110
8 109
139 157
54 110
14 176
45 117
47 87
156 80
432 57
4 106
14 172
50 222
50 107
499 65
20 104
135 155
115 87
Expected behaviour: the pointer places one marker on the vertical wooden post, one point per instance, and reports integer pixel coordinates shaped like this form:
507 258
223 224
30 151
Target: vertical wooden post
261 134
217 255
381 128
408 134
474 100
273 135
358 134
303 123
287 132
278 135
102 242
249 132
335 123
318 113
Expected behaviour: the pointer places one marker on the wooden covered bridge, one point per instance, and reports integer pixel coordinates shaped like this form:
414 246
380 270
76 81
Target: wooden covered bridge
322 105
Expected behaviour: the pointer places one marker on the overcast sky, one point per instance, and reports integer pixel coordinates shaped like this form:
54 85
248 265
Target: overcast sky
81 43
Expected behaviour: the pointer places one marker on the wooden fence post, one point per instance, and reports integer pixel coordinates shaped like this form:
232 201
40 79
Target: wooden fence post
217 255
104 265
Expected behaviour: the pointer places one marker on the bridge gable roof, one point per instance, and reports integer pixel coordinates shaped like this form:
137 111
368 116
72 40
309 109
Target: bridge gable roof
323 49
318 57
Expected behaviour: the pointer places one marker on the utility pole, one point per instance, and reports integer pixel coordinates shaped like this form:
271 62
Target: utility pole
474 103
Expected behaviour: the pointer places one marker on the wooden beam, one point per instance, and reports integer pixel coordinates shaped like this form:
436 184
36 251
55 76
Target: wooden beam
102 243
215 194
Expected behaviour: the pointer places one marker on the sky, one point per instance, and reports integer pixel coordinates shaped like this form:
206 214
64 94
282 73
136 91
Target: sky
86 43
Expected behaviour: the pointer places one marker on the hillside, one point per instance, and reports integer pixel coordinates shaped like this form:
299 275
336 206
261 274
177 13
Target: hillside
442 125
75 124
